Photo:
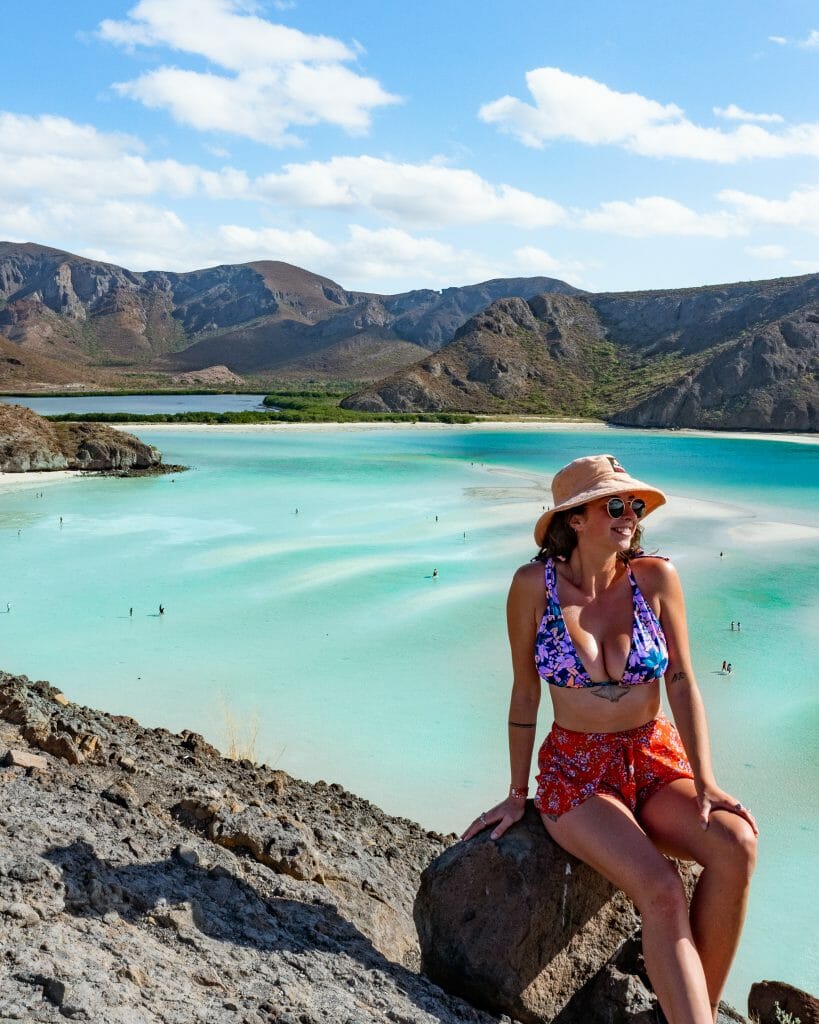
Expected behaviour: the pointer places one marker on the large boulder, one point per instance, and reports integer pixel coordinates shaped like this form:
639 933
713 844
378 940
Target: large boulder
518 926
766 995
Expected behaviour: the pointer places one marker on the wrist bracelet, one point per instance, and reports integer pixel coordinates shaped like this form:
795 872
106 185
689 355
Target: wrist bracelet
523 725
518 792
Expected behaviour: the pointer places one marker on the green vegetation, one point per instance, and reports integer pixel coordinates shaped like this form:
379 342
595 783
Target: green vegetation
284 416
316 403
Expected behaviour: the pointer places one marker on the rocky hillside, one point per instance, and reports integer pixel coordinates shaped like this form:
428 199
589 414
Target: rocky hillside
742 356
30 443
145 878
79 319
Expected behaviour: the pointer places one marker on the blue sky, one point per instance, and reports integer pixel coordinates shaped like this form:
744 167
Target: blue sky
392 146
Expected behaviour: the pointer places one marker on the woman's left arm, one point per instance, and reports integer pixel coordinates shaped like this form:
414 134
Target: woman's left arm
686 701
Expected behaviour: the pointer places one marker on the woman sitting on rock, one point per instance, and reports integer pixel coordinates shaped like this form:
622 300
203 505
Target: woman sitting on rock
618 786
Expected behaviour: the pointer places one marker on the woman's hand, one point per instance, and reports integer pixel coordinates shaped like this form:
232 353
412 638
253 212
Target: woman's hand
712 798
505 814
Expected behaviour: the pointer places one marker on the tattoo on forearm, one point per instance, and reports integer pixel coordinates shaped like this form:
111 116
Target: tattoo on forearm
678 677
610 691
523 725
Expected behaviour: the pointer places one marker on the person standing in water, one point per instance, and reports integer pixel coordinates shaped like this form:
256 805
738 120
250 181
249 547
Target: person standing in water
603 626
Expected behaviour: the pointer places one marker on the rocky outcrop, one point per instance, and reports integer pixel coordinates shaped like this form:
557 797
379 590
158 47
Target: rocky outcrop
211 376
568 946
29 443
765 996
144 877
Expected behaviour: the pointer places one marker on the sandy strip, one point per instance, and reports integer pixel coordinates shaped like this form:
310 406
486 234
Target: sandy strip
511 425
36 481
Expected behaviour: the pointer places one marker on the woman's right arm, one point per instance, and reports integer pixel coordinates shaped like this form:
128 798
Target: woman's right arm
522 606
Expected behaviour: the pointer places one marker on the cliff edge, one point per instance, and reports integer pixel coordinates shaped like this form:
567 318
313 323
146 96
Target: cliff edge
29 443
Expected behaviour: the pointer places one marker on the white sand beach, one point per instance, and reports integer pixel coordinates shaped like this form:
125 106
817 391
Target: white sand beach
35 481
481 424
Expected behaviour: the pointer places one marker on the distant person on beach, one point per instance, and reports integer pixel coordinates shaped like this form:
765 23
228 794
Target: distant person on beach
162 609
725 666
600 626
739 627
732 625
729 668
434 574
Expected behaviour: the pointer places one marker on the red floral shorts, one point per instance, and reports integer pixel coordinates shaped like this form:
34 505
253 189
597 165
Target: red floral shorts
630 765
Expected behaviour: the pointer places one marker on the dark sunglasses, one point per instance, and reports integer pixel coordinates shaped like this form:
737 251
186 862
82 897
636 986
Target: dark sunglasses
616 507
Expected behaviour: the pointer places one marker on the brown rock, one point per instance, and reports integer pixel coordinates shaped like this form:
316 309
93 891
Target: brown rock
561 922
60 698
23 759
764 996
134 974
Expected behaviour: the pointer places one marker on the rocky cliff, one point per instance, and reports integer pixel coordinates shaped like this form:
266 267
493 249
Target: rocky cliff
736 357
145 878
265 317
30 443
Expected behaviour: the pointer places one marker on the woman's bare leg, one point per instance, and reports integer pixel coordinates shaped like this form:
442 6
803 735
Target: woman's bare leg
603 833
727 853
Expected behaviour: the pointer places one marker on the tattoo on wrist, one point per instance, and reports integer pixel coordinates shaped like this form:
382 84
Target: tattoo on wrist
523 725
678 677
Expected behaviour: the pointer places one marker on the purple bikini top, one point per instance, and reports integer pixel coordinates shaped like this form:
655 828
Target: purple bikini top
559 664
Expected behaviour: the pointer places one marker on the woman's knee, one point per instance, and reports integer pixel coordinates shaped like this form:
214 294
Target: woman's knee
661 892
733 847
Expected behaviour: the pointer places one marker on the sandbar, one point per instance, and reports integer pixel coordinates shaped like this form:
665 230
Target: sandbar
479 424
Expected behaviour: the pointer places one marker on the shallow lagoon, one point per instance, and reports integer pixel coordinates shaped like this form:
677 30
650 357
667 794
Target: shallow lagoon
326 623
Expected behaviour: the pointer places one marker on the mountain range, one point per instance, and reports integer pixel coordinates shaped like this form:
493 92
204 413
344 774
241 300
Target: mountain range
734 356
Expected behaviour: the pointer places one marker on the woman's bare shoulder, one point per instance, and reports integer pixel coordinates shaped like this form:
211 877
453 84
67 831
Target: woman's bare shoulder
528 578
655 574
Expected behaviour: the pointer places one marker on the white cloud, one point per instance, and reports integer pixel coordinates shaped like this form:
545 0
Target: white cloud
222 31
133 234
800 209
59 158
734 113
658 215
811 42
779 40
25 135
382 255
576 107
426 193
279 78
767 252
573 107
531 261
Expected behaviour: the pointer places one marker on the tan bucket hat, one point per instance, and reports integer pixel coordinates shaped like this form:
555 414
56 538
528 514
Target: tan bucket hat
594 476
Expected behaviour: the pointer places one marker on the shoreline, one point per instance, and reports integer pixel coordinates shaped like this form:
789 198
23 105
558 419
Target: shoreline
511 425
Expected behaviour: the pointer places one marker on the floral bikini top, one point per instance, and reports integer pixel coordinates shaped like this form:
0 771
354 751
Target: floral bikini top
558 662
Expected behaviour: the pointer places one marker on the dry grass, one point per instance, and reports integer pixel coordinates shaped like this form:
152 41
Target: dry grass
239 735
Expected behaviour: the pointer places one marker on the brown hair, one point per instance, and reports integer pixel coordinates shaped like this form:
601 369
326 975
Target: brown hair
561 539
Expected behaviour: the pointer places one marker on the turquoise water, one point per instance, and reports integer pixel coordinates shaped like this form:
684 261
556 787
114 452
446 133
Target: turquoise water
326 627
143 404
